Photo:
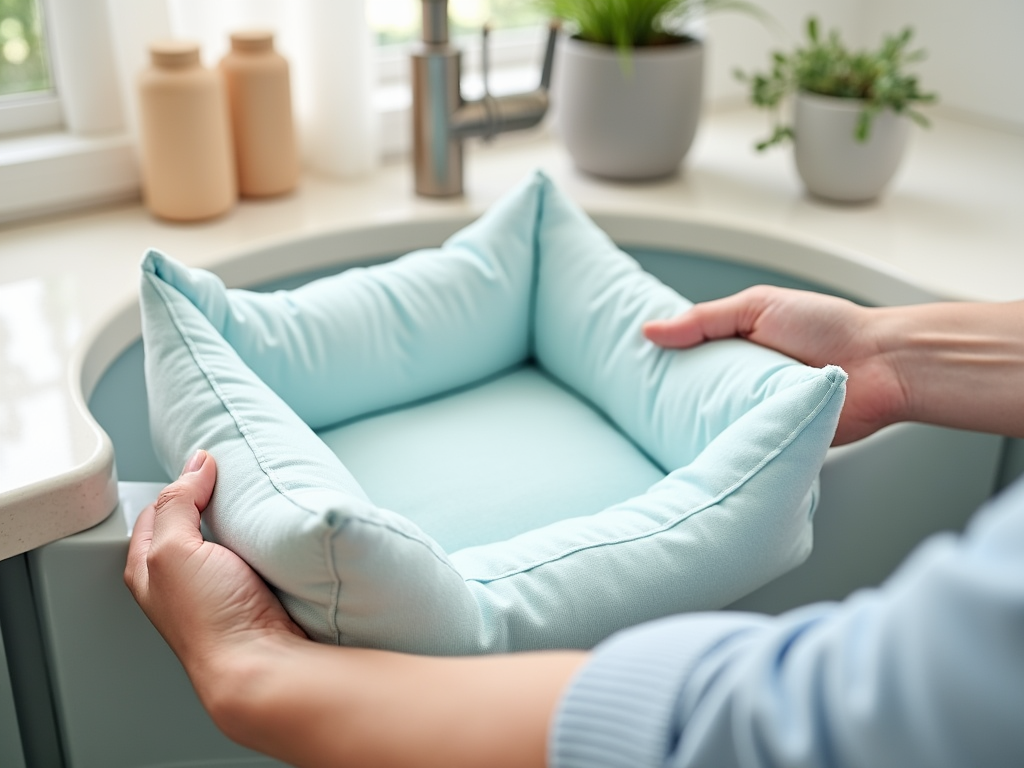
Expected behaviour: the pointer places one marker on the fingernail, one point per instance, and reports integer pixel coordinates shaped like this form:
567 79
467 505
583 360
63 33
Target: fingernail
196 462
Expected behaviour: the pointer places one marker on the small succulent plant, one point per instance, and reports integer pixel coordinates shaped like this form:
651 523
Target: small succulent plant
825 66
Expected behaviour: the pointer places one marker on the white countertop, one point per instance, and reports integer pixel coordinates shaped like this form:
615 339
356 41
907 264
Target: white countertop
951 226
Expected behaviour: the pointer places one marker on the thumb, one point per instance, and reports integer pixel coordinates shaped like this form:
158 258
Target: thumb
197 478
179 504
679 332
735 315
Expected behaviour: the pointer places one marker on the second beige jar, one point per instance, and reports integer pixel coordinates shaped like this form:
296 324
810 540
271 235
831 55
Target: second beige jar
259 96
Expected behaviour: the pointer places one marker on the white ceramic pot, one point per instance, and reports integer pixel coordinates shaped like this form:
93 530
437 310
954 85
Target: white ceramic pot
830 160
634 120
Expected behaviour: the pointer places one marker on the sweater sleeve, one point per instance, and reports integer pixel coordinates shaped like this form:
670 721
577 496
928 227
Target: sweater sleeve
926 670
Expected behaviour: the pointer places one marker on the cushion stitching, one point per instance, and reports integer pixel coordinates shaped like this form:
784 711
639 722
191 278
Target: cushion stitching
714 501
221 395
533 297
355 517
253 444
336 586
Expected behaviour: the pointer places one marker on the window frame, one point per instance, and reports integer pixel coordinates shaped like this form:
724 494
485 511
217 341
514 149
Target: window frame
31 111
34 110
515 47
85 157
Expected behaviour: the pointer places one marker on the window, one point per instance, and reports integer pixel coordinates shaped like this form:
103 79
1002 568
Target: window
61 153
24 67
518 42
27 98
398 21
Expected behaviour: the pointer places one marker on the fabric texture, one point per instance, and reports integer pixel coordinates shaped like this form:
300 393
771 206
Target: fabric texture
741 433
925 671
488 462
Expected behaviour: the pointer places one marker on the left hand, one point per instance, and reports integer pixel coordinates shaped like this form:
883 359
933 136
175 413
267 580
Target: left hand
308 704
203 598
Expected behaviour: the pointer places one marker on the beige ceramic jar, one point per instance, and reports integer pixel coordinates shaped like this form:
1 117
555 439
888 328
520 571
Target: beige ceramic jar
259 96
185 139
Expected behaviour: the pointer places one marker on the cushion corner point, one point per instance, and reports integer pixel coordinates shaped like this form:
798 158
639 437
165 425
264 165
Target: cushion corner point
836 375
152 260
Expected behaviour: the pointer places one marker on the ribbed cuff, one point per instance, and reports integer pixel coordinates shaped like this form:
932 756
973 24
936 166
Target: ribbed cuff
621 709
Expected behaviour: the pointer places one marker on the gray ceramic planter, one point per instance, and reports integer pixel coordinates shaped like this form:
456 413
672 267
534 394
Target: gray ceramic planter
831 162
633 122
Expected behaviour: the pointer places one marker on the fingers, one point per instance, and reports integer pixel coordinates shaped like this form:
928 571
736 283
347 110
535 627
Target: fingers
176 513
172 520
135 572
719 319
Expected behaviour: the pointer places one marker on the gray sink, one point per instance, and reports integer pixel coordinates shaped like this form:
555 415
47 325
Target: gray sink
119 696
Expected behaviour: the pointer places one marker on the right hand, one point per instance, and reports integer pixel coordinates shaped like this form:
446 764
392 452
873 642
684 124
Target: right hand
815 329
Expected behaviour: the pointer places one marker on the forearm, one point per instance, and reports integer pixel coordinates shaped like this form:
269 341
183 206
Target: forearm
317 705
960 365
926 670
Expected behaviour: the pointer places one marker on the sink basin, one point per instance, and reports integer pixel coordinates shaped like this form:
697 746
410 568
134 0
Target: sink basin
121 698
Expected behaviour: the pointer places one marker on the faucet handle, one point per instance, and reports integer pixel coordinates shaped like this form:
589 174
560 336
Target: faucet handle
485 58
549 53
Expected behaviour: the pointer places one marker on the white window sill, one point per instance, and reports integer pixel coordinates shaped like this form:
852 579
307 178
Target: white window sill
21 113
48 173
45 173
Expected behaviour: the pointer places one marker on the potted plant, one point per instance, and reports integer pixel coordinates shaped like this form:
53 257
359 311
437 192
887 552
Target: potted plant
851 111
630 83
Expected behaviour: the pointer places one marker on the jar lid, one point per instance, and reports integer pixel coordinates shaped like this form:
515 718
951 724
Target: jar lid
252 40
174 53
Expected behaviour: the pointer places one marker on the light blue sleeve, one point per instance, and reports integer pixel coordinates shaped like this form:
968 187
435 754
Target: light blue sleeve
927 670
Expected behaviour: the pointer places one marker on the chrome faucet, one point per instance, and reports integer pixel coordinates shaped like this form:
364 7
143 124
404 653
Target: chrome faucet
442 119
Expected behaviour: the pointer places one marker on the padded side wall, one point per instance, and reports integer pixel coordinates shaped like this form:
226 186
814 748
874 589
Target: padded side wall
382 336
346 571
710 532
591 303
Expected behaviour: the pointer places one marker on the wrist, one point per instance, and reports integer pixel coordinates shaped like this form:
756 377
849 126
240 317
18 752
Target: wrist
235 679
893 330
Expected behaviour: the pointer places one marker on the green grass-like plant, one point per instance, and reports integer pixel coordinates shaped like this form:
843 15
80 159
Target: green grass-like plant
628 24
828 68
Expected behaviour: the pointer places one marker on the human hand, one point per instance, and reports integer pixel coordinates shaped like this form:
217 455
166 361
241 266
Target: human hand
308 704
202 597
814 328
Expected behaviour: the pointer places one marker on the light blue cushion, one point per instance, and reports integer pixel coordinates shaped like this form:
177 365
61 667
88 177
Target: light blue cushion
739 432
494 460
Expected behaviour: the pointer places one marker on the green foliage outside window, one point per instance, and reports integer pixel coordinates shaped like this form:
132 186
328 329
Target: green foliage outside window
23 61
398 21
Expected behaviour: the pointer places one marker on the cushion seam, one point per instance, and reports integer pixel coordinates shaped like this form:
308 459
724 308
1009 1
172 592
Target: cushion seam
533 298
682 517
335 587
253 444
239 423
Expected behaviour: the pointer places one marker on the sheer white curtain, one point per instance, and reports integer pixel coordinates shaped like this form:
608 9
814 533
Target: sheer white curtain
327 43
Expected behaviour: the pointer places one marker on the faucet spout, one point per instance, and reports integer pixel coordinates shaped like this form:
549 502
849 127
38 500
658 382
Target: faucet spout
442 119
435 22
